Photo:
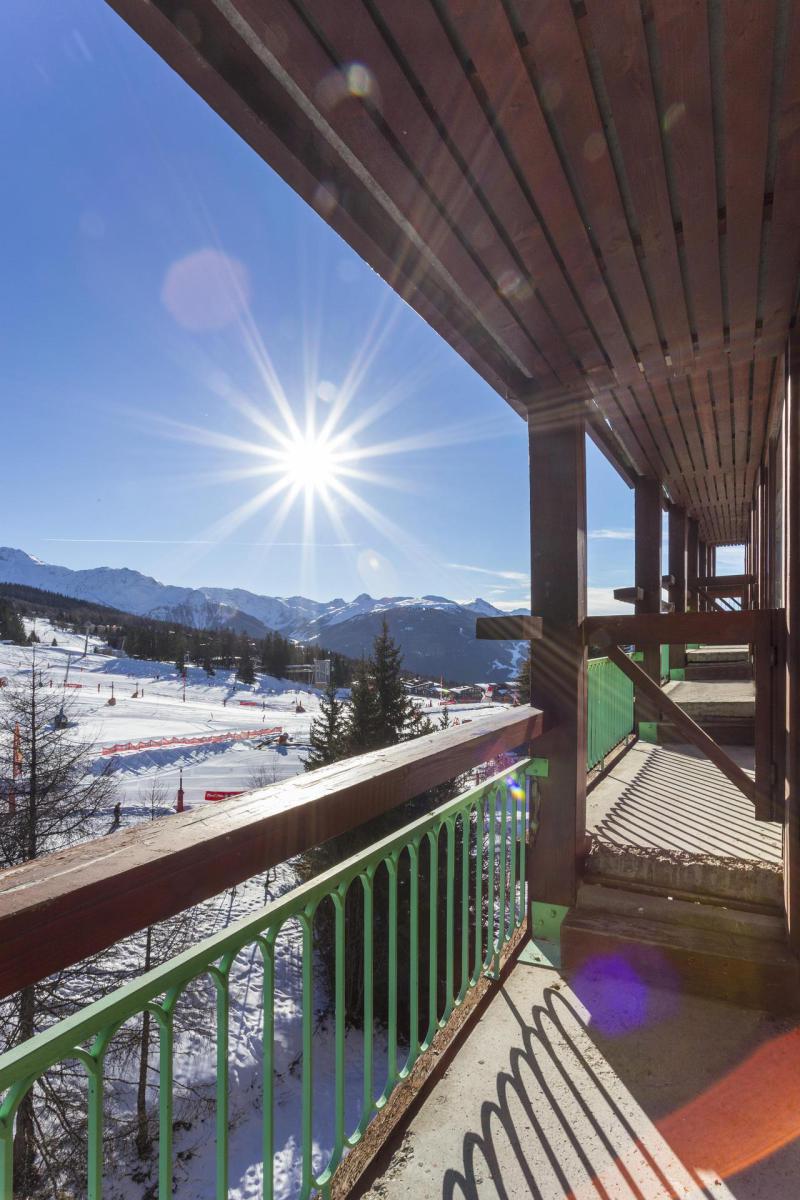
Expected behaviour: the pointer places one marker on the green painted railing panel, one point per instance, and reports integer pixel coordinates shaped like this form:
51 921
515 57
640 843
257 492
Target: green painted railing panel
494 820
610 709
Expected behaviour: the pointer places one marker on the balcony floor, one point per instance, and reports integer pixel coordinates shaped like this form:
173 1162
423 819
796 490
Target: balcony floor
613 1090
672 798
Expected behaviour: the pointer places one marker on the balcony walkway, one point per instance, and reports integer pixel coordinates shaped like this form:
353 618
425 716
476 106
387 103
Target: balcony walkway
609 1089
671 798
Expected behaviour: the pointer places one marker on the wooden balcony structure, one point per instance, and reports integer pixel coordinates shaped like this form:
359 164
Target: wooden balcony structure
594 202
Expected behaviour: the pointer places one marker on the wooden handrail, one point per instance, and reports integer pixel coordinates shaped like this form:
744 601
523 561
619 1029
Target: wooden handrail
58 910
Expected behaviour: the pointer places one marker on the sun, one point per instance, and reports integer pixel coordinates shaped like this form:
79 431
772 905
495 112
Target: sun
309 463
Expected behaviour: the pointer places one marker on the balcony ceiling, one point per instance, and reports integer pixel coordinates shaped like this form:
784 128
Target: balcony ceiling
593 202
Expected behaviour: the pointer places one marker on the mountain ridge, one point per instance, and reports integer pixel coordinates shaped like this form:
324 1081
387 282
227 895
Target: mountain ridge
437 635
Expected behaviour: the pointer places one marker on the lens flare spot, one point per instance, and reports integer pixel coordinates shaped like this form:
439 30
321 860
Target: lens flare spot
206 290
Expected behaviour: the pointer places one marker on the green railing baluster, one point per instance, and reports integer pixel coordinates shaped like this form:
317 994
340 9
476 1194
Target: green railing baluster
449 930
221 978
391 1077
413 957
465 832
266 945
491 808
433 936
339 897
480 837
307 1120
512 859
502 881
368 883
163 1015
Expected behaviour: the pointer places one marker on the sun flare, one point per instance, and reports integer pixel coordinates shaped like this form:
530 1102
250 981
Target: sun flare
310 463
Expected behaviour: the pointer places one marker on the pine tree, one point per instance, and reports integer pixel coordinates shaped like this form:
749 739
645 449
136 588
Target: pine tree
246 672
395 711
328 737
11 627
362 718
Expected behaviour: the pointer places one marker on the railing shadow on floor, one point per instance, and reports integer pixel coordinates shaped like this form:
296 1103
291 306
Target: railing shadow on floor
563 1124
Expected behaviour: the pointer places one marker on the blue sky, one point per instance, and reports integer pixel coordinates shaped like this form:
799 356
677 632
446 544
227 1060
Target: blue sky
160 285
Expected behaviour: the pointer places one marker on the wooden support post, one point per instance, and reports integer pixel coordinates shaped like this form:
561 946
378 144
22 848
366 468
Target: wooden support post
791 838
647 520
702 569
558 661
692 572
677 546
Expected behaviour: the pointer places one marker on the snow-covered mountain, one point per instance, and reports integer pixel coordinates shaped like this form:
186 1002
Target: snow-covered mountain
437 635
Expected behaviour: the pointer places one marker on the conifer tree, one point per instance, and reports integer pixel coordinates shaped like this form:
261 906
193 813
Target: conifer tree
524 679
328 736
246 672
395 711
362 722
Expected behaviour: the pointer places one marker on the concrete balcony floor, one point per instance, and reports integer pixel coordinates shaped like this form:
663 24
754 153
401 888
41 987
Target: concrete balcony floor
608 1088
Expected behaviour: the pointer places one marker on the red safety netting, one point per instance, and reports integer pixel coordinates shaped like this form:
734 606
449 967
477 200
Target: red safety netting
204 739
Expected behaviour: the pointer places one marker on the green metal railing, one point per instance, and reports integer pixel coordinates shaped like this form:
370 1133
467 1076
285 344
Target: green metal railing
664 663
474 851
610 709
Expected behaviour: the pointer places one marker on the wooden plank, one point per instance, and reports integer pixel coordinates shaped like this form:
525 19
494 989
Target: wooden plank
488 39
719 582
791 824
762 674
418 34
783 240
647 563
687 123
677 532
670 711
749 31
654 629
629 595
692 562
558 660
58 910
619 38
503 629
552 50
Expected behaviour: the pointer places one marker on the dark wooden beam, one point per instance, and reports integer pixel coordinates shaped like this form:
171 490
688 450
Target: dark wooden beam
677 535
504 629
558 660
58 910
629 595
653 629
791 825
670 711
717 583
692 562
647 521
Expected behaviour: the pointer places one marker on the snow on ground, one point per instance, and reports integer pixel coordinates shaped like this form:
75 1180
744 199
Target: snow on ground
150 704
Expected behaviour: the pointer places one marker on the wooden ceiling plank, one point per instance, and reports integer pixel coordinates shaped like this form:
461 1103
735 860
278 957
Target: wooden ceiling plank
687 122
488 39
353 37
555 59
310 68
629 405
705 415
619 38
740 375
783 244
421 39
749 31
720 385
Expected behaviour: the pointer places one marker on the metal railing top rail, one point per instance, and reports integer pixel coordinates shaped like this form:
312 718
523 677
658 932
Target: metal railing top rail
58 910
